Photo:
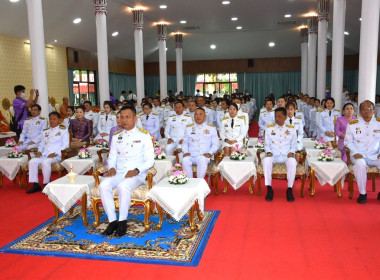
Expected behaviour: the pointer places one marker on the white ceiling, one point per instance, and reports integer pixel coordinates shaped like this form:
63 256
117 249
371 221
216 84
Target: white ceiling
257 17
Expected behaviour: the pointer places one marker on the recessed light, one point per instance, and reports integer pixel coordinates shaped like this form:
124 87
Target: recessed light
77 20
14 1
212 46
166 49
271 44
115 34
163 6
226 2
360 19
239 27
288 15
183 21
55 41
346 33
234 18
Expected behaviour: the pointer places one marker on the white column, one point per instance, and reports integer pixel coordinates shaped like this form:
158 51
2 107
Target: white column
101 43
312 55
161 32
337 62
369 36
37 46
323 14
178 55
304 43
138 24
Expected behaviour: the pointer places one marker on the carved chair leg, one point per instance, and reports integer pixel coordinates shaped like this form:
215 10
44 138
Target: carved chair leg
191 218
146 215
25 175
350 185
312 177
95 209
339 188
303 185
216 183
84 209
225 185
251 185
19 178
373 183
71 211
199 213
151 207
56 214
1 179
160 214
258 184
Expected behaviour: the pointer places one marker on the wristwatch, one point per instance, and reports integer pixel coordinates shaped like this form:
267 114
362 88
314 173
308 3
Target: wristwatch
138 171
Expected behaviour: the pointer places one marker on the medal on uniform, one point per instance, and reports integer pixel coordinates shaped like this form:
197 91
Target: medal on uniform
59 133
287 132
358 131
206 131
120 137
38 122
273 132
193 130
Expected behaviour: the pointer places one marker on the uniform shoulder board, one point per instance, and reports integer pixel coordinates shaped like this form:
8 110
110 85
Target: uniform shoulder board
46 128
319 111
190 125
337 110
143 130
289 125
42 118
299 117
155 114
116 132
225 118
298 110
356 121
93 111
28 118
270 125
187 115
241 117
113 113
244 111
171 116
210 124
102 113
61 126
378 119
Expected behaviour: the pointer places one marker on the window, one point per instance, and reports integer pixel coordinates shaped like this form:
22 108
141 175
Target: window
84 84
223 83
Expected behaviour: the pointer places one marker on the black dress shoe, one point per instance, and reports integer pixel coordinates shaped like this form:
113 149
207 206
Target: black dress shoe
269 196
121 228
289 195
378 196
36 188
110 228
362 199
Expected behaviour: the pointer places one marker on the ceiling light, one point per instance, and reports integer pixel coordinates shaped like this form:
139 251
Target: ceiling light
166 49
115 34
271 44
234 18
346 33
55 41
239 27
212 46
183 21
360 19
288 15
77 20
226 2
163 6
14 1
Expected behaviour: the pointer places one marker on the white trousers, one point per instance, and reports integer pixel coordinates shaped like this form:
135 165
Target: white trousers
360 171
171 147
291 166
125 187
46 168
26 146
200 161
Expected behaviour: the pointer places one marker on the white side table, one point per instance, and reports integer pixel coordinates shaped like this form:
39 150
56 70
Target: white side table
10 167
238 172
162 167
81 166
64 194
177 200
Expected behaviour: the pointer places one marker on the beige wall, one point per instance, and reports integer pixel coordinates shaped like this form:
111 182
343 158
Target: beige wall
16 68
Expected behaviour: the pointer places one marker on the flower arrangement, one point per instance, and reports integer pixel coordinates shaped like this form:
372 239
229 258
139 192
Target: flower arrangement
158 150
260 143
15 153
177 176
326 155
320 144
238 154
84 153
102 144
10 143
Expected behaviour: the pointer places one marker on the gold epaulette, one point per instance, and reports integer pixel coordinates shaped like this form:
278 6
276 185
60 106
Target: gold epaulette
210 124
290 125
113 113
155 114
102 113
337 110
299 117
143 130
116 132
356 121
46 128
29 118
241 117
187 115
319 111
61 126
245 111
270 125
171 116
190 125
225 118
298 110
378 119
42 118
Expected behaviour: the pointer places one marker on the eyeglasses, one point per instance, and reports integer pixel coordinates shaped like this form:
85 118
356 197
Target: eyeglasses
366 109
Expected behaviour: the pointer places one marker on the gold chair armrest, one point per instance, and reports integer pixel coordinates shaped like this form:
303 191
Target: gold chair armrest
65 153
219 156
149 177
348 153
303 157
100 152
258 154
27 152
96 175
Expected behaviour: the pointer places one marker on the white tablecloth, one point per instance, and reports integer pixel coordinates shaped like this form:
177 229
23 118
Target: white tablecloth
252 150
4 151
178 199
237 172
163 142
313 152
162 167
330 171
7 134
10 166
65 194
80 166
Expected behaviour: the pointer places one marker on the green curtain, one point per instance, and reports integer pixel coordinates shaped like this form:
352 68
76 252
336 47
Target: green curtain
172 83
189 83
241 81
152 85
71 78
119 82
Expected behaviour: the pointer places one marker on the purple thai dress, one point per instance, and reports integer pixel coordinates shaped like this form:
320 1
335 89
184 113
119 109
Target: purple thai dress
82 129
340 128
18 106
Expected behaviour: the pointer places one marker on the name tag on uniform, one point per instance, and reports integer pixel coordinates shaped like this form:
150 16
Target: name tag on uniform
184 120
237 125
273 132
137 141
376 130
358 131
173 120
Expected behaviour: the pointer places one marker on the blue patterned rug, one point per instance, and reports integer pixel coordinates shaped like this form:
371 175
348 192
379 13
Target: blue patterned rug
175 244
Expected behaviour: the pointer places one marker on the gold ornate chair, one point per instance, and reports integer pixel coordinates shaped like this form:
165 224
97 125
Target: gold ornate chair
138 197
55 167
279 170
372 173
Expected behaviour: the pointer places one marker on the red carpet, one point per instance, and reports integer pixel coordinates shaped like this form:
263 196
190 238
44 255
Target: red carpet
313 238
